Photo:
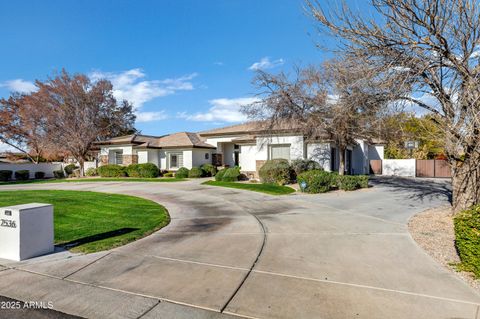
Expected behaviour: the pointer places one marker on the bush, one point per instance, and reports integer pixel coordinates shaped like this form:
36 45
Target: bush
22 175
304 165
209 170
316 181
92 171
182 172
352 182
145 170
39 175
219 175
467 239
168 174
195 172
277 171
231 174
112 170
5 175
59 174
69 169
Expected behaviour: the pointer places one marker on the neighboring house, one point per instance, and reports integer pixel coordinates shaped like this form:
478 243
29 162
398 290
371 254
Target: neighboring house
246 145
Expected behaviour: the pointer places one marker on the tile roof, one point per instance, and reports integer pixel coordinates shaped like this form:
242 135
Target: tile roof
254 127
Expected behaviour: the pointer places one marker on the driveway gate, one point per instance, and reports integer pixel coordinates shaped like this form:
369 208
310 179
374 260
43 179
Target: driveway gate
433 168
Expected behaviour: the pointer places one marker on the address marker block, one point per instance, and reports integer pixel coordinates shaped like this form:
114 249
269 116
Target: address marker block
26 231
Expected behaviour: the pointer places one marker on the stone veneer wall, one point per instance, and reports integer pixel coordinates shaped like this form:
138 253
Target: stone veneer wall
258 164
127 159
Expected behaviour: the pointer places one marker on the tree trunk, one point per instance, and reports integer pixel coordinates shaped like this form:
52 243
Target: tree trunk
81 162
466 183
341 157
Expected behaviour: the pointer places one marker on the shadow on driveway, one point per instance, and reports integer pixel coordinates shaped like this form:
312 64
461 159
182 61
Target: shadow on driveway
419 188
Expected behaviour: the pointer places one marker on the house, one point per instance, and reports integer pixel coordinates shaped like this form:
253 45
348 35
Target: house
247 145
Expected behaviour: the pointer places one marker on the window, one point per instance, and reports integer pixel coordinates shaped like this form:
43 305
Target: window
176 160
279 151
207 156
119 157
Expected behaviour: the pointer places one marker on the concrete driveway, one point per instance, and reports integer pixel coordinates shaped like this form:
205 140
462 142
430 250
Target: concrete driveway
231 253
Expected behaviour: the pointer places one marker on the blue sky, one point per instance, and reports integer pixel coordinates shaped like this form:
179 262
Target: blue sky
186 65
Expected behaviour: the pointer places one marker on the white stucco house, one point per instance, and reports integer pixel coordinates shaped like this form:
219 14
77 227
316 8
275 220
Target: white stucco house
247 145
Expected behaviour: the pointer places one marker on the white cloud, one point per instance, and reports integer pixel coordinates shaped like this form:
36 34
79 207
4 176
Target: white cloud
150 116
219 63
6 148
222 110
19 85
265 63
132 86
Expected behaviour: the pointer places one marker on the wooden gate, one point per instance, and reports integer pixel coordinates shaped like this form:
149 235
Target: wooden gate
376 167
433 168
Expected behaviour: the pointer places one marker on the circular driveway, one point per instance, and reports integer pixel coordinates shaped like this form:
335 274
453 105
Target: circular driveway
234 253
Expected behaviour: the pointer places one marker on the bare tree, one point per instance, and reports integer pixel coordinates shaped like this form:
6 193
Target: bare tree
66 113
434 44
338 101
22 126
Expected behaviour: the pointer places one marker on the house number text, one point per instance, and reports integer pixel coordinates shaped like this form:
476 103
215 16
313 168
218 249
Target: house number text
8 223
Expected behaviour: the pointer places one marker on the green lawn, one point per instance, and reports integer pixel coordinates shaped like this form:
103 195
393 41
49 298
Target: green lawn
97 179
262 188
89 221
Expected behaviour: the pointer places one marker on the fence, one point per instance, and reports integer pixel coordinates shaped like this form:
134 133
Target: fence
411 168
47 168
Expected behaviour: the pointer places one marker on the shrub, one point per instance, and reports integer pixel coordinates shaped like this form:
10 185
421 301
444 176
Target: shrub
195 172
22 175
304 165
352 182
277 171
145 170
182 172
5 175
467 239
69 169
59 174
39 175
92 171
111 170
316 181
168 174
231 174
219 175
209 169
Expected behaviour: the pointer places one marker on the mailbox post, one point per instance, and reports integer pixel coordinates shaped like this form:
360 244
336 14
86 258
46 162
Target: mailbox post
26 231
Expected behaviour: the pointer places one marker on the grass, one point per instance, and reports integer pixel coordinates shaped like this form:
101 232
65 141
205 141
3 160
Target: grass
97 179
261 188
90 221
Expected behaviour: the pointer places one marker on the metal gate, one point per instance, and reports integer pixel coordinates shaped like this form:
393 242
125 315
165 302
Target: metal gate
376 167
433 168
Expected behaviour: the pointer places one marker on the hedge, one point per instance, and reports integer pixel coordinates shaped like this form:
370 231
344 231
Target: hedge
92 171
39 175
182 172
69 169
352 182
145 170
22 175
467 239
277 171
220 173
59 173
168 174
316 181
231 174
209 169
304 165
5 175
195 172
112 170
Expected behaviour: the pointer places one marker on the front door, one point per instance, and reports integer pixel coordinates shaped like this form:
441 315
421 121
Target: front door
237 158
348 162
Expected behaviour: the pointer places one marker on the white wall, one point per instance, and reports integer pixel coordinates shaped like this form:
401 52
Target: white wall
142 156
48 168
228 154
320 153
399 167
376 152
215 140
247 157
360 163
199 156
297 150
